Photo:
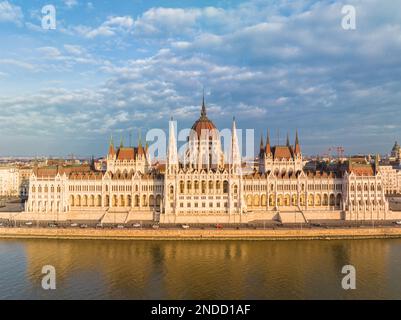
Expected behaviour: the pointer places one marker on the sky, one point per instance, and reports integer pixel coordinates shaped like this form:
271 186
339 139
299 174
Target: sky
115 67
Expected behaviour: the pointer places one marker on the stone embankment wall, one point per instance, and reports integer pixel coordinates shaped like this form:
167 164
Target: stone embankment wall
195 234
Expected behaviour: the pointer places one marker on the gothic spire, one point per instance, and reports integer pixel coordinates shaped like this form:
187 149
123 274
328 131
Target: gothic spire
172 156
297 146
268 149
235 152
203 111
261 143
288 140
111 146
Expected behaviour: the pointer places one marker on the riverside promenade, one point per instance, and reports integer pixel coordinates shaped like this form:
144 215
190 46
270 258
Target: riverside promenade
199 234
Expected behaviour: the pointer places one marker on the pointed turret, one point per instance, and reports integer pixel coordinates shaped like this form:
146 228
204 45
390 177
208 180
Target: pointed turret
235 152
377 160
203 110
297 148
262 147
172 156
112 151
268 148
288 140
140 148
122 142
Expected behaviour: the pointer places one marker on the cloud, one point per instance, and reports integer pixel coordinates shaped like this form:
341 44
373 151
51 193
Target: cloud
74 49
282 65
157 21
112 26
49 52
10 13
71 3
17 63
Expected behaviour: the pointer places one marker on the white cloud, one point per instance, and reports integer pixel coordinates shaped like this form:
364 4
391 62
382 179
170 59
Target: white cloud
17 63
70 3
10 13
74 49
49 52
112 26
166 20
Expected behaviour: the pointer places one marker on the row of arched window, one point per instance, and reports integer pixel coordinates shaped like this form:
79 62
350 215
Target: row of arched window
292 200
203 187
115 201
46 189
366 187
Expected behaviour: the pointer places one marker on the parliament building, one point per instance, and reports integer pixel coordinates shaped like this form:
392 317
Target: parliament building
202 186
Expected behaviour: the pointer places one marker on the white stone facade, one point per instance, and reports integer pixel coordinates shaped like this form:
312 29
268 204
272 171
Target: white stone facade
205 191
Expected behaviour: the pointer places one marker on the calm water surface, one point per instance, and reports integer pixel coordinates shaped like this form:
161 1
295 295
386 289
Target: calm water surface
200 269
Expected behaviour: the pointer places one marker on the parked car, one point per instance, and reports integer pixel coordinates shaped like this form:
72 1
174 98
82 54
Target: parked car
52 225
83 226
185 226
136 225
29 223
99 225
120 226
155 226
74 225
398 223
219 226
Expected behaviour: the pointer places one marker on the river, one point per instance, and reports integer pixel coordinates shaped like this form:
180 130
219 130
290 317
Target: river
98 269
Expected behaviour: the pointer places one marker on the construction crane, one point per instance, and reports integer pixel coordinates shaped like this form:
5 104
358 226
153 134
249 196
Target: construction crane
339 150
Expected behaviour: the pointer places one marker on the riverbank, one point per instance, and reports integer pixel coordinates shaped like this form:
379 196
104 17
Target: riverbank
176 234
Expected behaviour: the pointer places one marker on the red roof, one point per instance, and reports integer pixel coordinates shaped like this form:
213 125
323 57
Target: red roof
126 154
282 152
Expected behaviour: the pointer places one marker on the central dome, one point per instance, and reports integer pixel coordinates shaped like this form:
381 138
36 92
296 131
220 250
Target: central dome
203 123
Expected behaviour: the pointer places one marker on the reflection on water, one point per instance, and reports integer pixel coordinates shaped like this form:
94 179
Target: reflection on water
200 269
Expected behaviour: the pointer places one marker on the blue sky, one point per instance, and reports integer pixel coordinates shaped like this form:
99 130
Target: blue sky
117 66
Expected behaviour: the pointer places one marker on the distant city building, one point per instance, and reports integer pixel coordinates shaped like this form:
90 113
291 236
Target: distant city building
395 155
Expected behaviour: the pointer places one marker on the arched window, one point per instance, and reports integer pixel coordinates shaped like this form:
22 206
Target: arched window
256 200
151 201
332 200
235 189
107 201
218 186
325 199
203 187
249 200
287 200
294 200
264 199
225 186
310 200
338 200
272 201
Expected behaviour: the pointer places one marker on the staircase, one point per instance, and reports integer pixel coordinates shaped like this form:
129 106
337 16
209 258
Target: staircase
291 215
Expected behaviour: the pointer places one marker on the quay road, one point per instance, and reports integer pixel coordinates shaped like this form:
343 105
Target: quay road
257 225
